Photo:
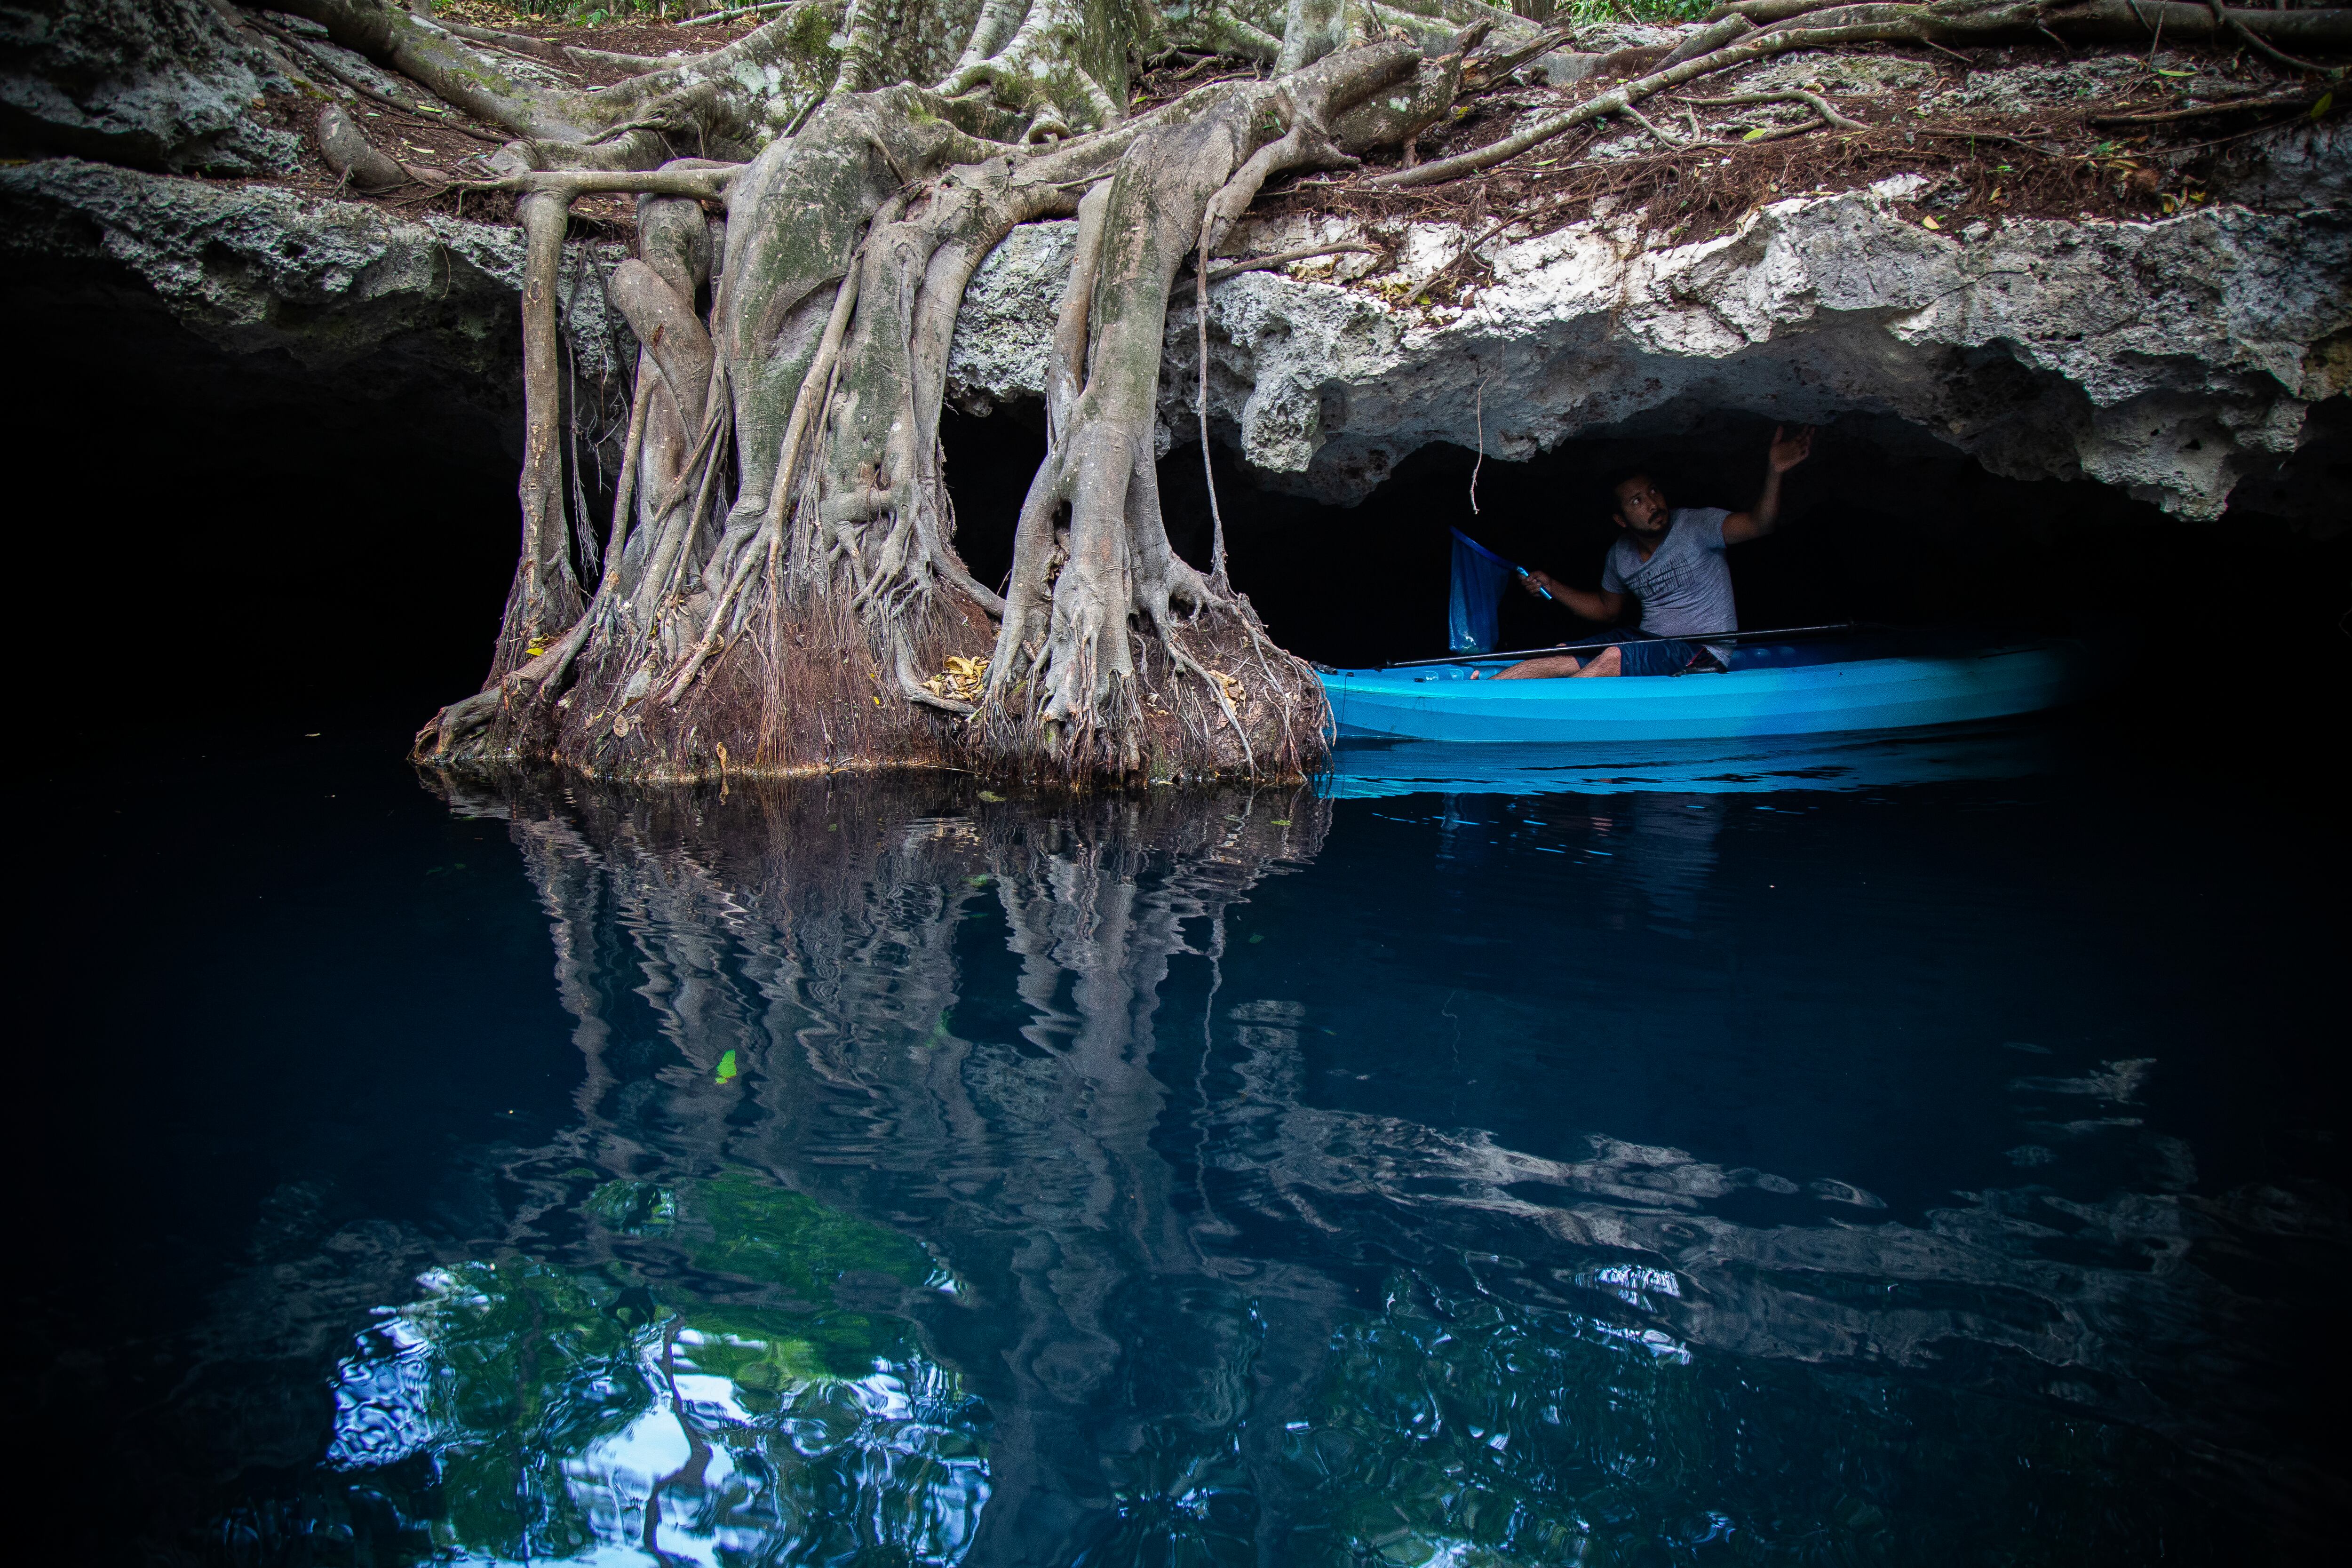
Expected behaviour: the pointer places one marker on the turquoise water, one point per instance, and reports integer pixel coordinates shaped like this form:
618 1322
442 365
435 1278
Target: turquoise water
1907 1157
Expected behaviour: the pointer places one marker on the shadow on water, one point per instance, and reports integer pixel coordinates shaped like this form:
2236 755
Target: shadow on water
1270 1179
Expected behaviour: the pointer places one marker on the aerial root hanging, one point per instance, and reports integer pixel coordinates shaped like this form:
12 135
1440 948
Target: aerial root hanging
768 541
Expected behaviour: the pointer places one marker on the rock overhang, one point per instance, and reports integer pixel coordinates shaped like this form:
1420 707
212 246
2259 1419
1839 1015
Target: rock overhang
2171 359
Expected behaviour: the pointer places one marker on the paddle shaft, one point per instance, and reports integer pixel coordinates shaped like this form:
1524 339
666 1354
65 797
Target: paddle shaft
1595 646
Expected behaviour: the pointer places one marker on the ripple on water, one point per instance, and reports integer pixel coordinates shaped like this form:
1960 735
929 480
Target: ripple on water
1461 1177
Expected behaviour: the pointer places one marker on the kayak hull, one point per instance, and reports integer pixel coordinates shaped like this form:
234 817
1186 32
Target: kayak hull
1762 694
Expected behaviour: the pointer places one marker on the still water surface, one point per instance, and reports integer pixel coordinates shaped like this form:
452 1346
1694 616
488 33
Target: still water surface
1656 1169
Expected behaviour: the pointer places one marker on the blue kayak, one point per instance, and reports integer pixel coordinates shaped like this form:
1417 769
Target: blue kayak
1796 687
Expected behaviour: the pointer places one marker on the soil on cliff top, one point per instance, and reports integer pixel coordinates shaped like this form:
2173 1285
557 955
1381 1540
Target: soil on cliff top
1997 134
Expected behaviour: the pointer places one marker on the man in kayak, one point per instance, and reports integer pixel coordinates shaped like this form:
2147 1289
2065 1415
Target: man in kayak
1672 561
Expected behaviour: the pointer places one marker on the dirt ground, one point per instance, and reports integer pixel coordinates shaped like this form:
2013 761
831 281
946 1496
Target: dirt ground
2014 132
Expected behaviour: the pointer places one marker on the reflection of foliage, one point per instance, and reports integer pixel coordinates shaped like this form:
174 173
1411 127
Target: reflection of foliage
809 1258
497 1373
1475 1433
1462 1428
529 1411
1473 1429
633 1209
772 1235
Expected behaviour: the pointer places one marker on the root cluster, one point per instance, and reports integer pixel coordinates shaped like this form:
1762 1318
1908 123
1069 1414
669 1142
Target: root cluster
777 588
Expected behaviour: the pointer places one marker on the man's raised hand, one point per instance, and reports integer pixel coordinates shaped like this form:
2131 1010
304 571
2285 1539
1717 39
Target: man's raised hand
1789 451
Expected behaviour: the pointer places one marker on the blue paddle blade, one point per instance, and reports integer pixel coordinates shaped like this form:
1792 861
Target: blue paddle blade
1461 539
1471 612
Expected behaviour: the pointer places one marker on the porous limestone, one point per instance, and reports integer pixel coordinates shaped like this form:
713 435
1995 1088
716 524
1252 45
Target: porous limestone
2176 359
2169 358
163 84
256 269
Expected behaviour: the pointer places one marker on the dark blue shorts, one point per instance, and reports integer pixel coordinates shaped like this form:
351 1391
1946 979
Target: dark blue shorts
1643 654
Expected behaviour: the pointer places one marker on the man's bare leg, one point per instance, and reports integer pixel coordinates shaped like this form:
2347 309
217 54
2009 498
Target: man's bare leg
1611 662
1539 668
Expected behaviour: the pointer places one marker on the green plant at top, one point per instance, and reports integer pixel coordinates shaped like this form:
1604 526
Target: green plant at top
540 1391
1470 1429
1593 12
596 13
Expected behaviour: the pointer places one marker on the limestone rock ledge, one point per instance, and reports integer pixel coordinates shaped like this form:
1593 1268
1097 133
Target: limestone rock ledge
2182 361
2174 360
160 84
255 270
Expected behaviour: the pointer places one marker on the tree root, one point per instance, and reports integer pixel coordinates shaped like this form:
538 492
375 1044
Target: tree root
779 575
1812 101
1285 258
707 183
546 597
1177 192
551 52
1825 23
840 513
2224 21
2299 101
350 153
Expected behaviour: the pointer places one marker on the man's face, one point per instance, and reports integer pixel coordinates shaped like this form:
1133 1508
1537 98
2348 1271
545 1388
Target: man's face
1640 506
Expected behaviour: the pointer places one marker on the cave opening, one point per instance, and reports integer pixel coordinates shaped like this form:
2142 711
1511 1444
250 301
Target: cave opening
1884 524
232 542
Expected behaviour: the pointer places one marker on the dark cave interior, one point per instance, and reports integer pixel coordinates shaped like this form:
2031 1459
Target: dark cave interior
234 541
1882 524
278 546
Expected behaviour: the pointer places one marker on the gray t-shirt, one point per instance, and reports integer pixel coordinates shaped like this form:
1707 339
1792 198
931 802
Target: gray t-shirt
1686 584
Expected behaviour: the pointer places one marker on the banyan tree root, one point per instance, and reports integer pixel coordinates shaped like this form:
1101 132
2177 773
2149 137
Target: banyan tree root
360 162
786 503
1778 26
778 586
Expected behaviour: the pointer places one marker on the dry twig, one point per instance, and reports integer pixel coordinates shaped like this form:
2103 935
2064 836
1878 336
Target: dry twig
1812 101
